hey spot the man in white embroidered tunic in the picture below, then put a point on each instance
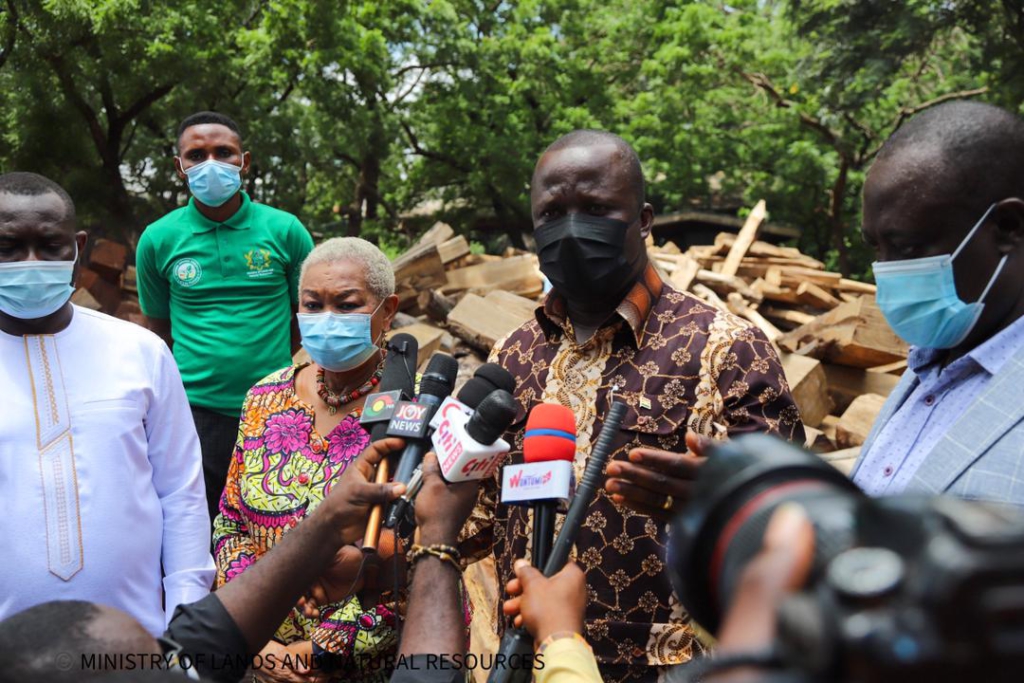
(100, 473)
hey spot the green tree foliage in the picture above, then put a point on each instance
(359, 114)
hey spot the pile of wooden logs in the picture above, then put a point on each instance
(841, 358)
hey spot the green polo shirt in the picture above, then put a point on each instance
(228, 289)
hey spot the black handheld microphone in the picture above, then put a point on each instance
(487, 379)
(397, 382)
(412, 421)
(517, 644)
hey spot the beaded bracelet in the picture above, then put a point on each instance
(558, 635)
(445, 553)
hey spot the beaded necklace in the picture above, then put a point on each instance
(335, 401)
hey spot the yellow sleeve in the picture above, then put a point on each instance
(566, 660)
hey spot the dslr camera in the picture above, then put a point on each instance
(905, 588)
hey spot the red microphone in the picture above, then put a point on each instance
(550, 434)
(546, 479)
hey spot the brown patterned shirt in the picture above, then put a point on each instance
(679, 364)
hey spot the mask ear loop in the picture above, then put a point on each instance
(970, 234)
(1002, 261)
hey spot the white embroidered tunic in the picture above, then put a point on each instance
(101, 481)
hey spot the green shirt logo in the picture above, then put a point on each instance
(187, 272)
(258, 261)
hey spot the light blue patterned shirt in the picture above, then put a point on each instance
(941, 397)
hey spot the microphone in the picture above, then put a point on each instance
(545, 479)
(412, 422)
(397, 382)
(517, 642)
(487, 379)
(472, 448)
(469, 446)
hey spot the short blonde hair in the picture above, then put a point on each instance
(380, 276)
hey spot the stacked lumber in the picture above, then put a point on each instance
(107, 283)
(840, 356)
(459, 302)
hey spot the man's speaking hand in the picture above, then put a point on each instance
(545, 606)
(656, 483)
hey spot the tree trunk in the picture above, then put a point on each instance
(835, 211)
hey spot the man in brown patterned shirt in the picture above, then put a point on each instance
(611, 326)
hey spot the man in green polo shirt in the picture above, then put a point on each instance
(218, 281)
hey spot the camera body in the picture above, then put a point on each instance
(905, 588)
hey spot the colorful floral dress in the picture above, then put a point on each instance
(280, 471)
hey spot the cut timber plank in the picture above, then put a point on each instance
(814, 296)
(83, 298)
(428, 337)
(453, 249)
(846, 384)
(854, 333)
(766, 290)
(759, 249)
(435, 305)
(481, 579)
(705, 293)
(788, 315)
(129, 281)
(109, 259)
(417, 269)
(738, 305)
(842, 460)
(727, 284)
(744, 239)
(481, 321)
(439, 232)
(683, 277)
(108, 295)
(896, 368)
(809, 386)
(856, 287)
(518, 274)
(856, 421)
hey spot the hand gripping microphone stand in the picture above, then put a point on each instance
(517, 645)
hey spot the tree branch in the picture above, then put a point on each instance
(347, 157)
(146, 101)
(427, 154)
(422, 67)
(907, 112)
(763, 83)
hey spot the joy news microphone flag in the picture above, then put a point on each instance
(411, 421)
(517, 645)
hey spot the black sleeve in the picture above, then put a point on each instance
(427, 669)
(211, 639)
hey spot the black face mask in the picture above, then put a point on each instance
(585, 258)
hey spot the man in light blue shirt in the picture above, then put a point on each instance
(944, 212)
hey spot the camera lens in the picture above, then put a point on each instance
(737, 490)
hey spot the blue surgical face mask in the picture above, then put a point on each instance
(919, 299)
(338, 341)
(214, 182)
(35, 289)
